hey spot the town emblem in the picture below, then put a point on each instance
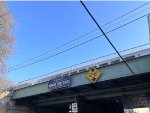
(93, 74)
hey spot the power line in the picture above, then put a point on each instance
(78, 44)
(106, 36)
(128, 18)
(127, 13)
(81, 36)
(127, 23)
(85, 62)
(54, 48)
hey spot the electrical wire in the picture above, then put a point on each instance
(85, 62)
(53, 49)
(80, 36)
(126, 13)
(128, 18)
(78, 44)
(90, 14)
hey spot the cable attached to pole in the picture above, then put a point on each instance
(105, 36)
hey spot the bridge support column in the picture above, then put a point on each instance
(97, 106)
(131, 102)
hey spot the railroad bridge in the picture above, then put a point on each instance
(115, 88)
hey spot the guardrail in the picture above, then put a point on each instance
(102, 61)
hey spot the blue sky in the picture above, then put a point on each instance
(43, 26)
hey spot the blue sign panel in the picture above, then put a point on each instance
(59, 82)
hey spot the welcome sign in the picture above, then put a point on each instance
(59, 82)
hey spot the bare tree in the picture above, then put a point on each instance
(6, 41)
